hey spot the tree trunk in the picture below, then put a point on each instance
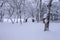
(25, 20)
(33, 20)
(48, 16)
(20, 19)
(37, 18)
(1, 17)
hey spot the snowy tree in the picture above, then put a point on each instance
(18, 4)
(8, 10)
(55, 8)
(44, 10)
(1, 11)
(48, 16)
(38, 10)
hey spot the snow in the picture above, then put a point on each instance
(6, 20)
(29, 31)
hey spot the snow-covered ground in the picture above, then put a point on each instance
(8, 20)
(29, 31)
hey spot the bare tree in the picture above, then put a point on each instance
(28, 11)
(11, 14)
(32, 14)
(18, 4)
(10, 10)
(24, 9)
(40, 9)
(48, 16)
